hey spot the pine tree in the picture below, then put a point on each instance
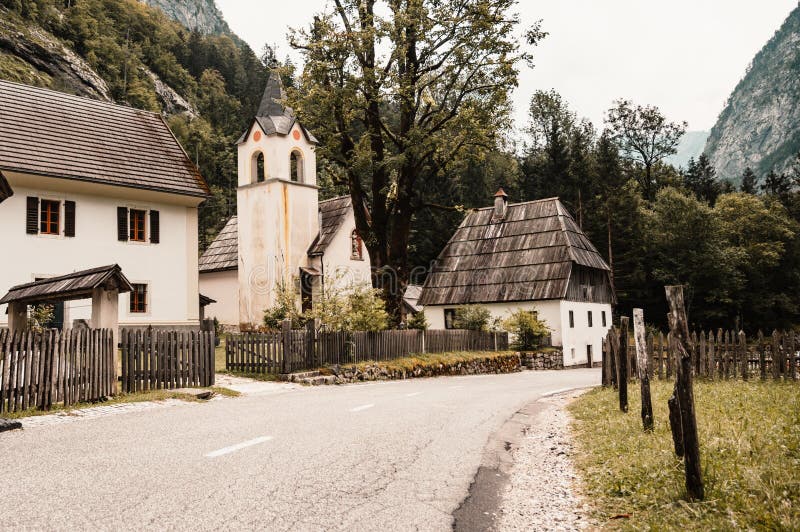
(749, 181)
(777, 185)
(700, 178)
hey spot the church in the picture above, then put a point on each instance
(283, 236)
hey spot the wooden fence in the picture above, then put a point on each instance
(718, 355)
(154, 360)
(293, 350)
(39, 369)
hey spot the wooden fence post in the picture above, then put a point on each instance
(622, 364)
(641, 364)
(613, 353)
(684, 393)
(311, 344)
(776, 348)
(286, 336)
(744, 355)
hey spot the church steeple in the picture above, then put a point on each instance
(273, 95)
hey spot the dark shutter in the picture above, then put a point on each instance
(155, 229)
(122, 224)
(32, 216)
(69, 218)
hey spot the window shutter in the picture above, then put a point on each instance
(122, 224)
(155, 229)
(32, 216)
(69, 218)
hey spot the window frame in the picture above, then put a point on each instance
(296, 166)
(49, 222)
(449, 323)
(133, 231)
(590, 318)
(356, 246)
(134, 303)
(571, 319)
(603, 317)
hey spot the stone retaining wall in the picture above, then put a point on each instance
(547, 360)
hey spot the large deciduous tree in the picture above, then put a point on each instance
(397, 91)
(644, 135)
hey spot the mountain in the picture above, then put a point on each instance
(690, 146)
(199, 15)
(760, 124)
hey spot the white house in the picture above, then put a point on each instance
(95, 184)
(282, 234)
(530, 256)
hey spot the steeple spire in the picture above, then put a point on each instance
(273, 94)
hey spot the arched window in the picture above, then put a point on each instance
(257, 168)
(296, 167)
(356, 246)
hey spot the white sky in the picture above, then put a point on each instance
(684, 56)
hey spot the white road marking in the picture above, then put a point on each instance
(238, 446)
(362, 407)
(413, 394)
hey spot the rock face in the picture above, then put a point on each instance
(200, 15)
(760, 125)
(690, 146)
(50, 62)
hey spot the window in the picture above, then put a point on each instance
(571, 320)
(356, 246)
(590, 318)
(137, 225)
(589, 361)
(257, 168)
(296, 167)
(49, 217)
(603, 317)
(449, 318)
(139, 298)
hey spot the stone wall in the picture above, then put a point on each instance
(546, 360)
(490, 364)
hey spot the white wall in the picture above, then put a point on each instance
(169, 268)
(556, 314)
(338, 263)
(223, 287)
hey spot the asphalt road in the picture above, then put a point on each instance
(395, 455)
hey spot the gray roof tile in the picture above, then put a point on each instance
(223, 253)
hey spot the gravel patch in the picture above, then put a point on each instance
(542, 490)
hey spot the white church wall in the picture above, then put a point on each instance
(168, 268)
(223, 287)
(338, 264)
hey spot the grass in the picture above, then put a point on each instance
(749, 451)
(138, 397)
(426, 360)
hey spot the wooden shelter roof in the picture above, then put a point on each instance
(223, 253)
(50, 133)
(5, 188)
(332, 214)
(526, 256)
(76, 285)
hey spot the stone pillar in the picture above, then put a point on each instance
(105, 314)
(17, 317)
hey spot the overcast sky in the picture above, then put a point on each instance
(684, 56)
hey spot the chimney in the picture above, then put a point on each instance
(500, 204)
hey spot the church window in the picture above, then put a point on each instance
(296, 167)
(258, 170)
(356, 246)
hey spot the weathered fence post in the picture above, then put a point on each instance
(613, 353)
(641, 364)
(311, 344)
(684, 393)
(776, 348)
(622, 364)
(286, 337)
(744, 354)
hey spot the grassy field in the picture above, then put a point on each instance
(750, 455)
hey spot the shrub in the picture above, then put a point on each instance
(472, 318)
(284, 308)
(357, 308)
(526, 328)
(41, 317)
(417, 321)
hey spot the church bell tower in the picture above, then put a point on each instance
(277, 203)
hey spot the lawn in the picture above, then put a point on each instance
(750, 455)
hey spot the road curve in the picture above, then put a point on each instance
(396, 455)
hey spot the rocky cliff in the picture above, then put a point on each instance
(200, 15)
(760, 125)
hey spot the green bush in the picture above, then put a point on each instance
(472, 318)
(417, 321)
(358, 308)
(526, 329)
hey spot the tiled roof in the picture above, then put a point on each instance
(526, 256)
(223, 253)
(55, 134)
(332, 214)
(67, 287)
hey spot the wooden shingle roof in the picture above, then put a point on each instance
(526, 256)
(223, 253)
(50, 133)
(76, 285)
(332, 214)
